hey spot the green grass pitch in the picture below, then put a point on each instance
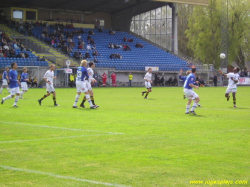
(128, 141)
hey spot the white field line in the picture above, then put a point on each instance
(61, 176)
(63, 128)
(62, 137)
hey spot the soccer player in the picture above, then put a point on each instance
(183, 78)
(190, 94)
(148, 82)
(13, 85)
(48, 77)
(24, 80)
(232, 84)
(81, 80)
(113, 78)
(88, 85)
(5, 80)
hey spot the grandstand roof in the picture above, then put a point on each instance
(109, 6)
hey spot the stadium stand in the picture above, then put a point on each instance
(134, 59)
(10, 50)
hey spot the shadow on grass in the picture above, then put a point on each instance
(241, 108)
(198, 116)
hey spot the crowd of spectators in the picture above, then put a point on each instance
(116, 56)
(244, 73)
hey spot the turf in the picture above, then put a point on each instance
(128, 141)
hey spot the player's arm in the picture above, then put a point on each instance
(45, 79)
(193, 86)
(235, 81)
(181, 71)
(223, 74)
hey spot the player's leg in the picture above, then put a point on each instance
(12, 94)
(54, 98)
(196, 99)
(17, 92)
(1, 89)
(7, 86)
(234, 99)
(40, 100)
(149, 90)
(89, 100)
(188, 106)
(24, 89)
(76, 99)
(227, 94)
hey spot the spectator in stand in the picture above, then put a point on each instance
(95, 60)
(88, 47)
(52, 43)
(80, 55)
(169, 82)
(89, 37)
(113, 78)
(91, 32)
(15, 46)
(43, 59)
(99, 30)
(80, 46)
(111, 32)
(94, 47)
(38, 58)
(34, 82)
(125, 39)
(130, 40)
(202, 82)
(79, 37)
(156, 79)
(162, 81)
(215, 79)
(138, 45)
(130, 78)
(87, 55)
(95, 53)
(109, 46)
(175, 82)
(76, 55)
(104, 79)
(26, 55)
(19, 55)
(12, 53)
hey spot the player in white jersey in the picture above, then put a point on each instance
(5, 78)
(49, 77)
(88, 85)
(148, 82)
(233, 79)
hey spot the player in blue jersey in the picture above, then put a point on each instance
(24, 80)
(190, 94)
(81, 80)
(183, 78)
(14, 85)
(5, 78)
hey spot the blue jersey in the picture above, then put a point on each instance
(182, 78)
(24, 76)
(13, 79)
(190, 80)
(5, 74)
(82, 74)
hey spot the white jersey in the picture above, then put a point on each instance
(231, 83)
(91, 74)
(49, 75)
(148, 76)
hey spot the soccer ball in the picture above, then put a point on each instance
(222, 56)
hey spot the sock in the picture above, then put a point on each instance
(8, 97)
(187, 108)
(54, 99)
(76, 100)
(146, 94)
(89, 100)
(43, 97)
(1, 90)
(16, 100)
(92, 99)
(83, 101)
(22, 92)
(194, 106)
(8, 89)
(235, 101)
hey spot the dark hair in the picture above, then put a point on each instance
(238, 69)
(193, 70)
(13, 64)
(91, 64)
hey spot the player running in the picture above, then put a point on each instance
(14, 86)
(24, 80)
(183, 78)
(88, 84)
(148, 82)
(5, 80)
(190, 94)
(49, 77)
(81, 84)
(232, 84)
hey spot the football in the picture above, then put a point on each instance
(222, 56)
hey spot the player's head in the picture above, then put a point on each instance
(25, 70)
(14, 65)
(7, 69)
(52, 67)
(92, 65)
(84, 63)
(150, 70)
(188, 72)
(193, 70)
(236, 70)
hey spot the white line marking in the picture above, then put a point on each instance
(61, 176)
(63, 128)
(63, 137)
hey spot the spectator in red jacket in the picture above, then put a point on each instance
(113, 78)
(104, 79)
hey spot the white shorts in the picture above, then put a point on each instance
(24, 86)
(81, 86)
(229, 90)
(88, 85)
(50, 88)
(148, 85)
(190, 94)
(14, 91)
(5, 83)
